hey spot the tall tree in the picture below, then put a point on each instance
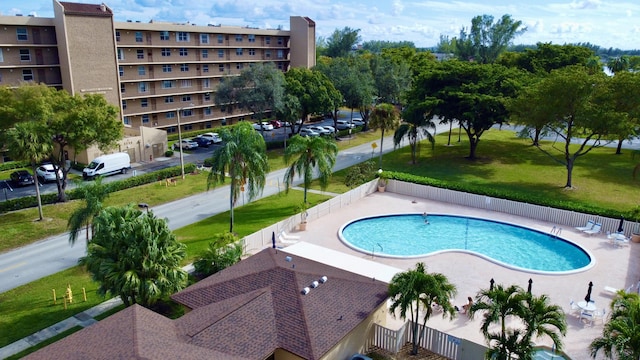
(392, 78)
(135, 256)
(619, 97)
(385, 117)
(621, 334)
(416, 289)
(342, 42)
(314, 91)
(243, 158)
(304, 154)
(543, 319)
(93, 195)
(416, 123)
(486, 40)
(260, 88)
(618, 64)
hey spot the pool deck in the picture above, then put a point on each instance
(616, 267)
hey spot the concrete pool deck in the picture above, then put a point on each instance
(616, 267)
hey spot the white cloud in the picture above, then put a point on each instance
(585, 4)
(398, 7)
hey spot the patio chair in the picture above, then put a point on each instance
(589, 226)
(575, 309)
(587, 316)
(286, 236)
(596, 229)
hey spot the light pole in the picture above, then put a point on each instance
(180, 142)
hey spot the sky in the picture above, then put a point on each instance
(605, 23)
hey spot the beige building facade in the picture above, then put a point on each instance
(150, 71)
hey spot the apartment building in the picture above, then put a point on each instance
(157, 73)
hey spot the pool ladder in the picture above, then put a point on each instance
(556, 230)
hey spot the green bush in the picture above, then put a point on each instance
(10, 165)
(168, 153)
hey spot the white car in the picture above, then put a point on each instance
(357, 121)
(320, 130)
(213, 137)
(46, 173)
(331, 129)
(187, 144)
(308, 132)
(344, 124)
(265, 126)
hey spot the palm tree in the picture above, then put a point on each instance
(415, 124)
(415, 289)
(384, 117)
(621, 334)
(543, 319)
(618, 64)
(243, 158)
(93, 194)
(302, 156)
(135, 255)
(498, 304)
(29, 140)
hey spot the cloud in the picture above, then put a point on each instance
(398, 7)
(585, 4)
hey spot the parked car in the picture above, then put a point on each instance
(330, 128)
(320, 130)
(344, 125)
(22, 178)
(187, 144)
(276, 124)
(46, 173)
(357, 121)
(214, 137)
(202, 141)
(265, 126)
(308, 132)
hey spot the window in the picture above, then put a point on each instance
(164, 35)
(138, 36)
(280, 54)
(267, 40)
(184, 52)
(207, 111)
(144, 102)
(140, 53)
(221, 67)
(205, 53)
(124, 104)
(239, 52)
(220, 38)
(22, 34)
(205, 68)
(166, 52)
(184, 67)
(171, 115)
(142, 70)
(252, 52)
(1, 57)
(239, 66)
(168, 84)
(182, 36)
(166, 68)
(120, 54)
(267, 53)
(187, 113)
(238, 38)
(252, 38)
(122, 88)
(117, 35)
(25, 55)
(127, 120)
(121, 70)
(206, 97)
(280, 66)
(168, 99)
(280, 40)
(186, 83)
(221, 54)
(145, 118)
(206, 83)
(143, 87)
(204, 38)
(186, 98)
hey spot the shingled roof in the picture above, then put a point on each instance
(244, 312)
(71, 8)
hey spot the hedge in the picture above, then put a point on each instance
(10, 165)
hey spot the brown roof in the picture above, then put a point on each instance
(244, 312)
(86, 9)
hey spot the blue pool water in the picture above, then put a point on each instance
(408, 235)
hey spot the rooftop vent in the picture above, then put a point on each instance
(305, 291)
(314, 284)
(323, 279)
(288, 258)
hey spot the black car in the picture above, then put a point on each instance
(22, 178)
(202, 142)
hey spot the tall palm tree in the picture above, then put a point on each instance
(243, 158)
(414, 289)
(543, 319)
(304, 154)
(93, 194)
(621, 334)
(30, 141)
(414, 125)
(386, 118)
(135, 255)
(498, 305)
(618, 64)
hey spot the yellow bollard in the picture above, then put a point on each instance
(69, 293)
(84, 294)
(54, 296)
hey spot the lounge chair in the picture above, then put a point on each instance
(589, 226)
(284, 235)
(614, 291)
(575, 309)
(596, 229)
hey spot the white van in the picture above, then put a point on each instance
(107, 165)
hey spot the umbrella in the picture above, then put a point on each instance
(491, 282)
(529, 287)
(620, 228)
(588, 297)
(273, 239)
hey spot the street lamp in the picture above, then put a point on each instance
(180, 141)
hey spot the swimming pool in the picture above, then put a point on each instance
(513, 246)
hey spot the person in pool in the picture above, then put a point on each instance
(424, 217)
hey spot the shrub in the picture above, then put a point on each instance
(224, 251)
(10, 165)
(168, 153)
